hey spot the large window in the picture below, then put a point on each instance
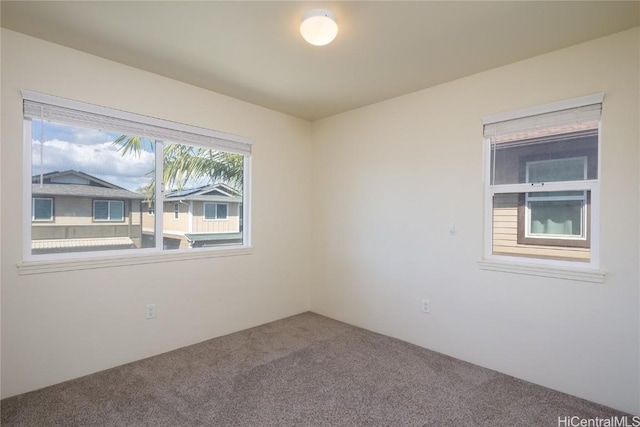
(543, 183)
(113, 173)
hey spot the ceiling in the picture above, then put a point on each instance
(253, 51)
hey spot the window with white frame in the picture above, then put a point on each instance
(110, 173)
(108, 210)
(215, 211)
(42, 209)
(543, 183)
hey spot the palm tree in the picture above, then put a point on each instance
(184, 164)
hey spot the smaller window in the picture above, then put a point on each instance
(150, 209)
(108, 210)
(42, 209)
(542, 183)
(176, 211)
(215, 211)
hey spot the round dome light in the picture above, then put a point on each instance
(319, 27)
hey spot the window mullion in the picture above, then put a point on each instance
(588, 185)
(158, 195)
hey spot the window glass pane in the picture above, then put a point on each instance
(221, 211)
(553, 227)
(116, 211)
(209, 182)
(91, 174)
(42, 209)
(550, 159)
(101, 210)
(209, 211)
(570, 169)
(556, 218)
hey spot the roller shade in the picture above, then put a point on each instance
(56, 109)
(549, 121)
(585, 119)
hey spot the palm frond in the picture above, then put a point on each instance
(186, 165)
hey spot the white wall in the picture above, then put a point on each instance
(390, 178)
(387, 180)
(63, 325)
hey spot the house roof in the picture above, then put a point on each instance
(218, 192)
(75, 190)
(52, 177)
(78, 184)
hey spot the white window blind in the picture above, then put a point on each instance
(56, 109)
(569, 116)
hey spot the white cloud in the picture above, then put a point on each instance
(100, 159)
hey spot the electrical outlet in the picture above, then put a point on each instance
(426, 306)
(151, 311)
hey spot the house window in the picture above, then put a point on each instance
(42, 209)
(543, 183)
(215, 211)
(102, 165)
(555, 218)
(108, 210)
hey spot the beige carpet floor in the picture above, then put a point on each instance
(306, 370)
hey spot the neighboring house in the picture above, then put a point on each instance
(72, 211)
(196, 217)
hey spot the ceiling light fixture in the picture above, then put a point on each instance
(319, 27)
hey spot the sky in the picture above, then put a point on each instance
(90, 151)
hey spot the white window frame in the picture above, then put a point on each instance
(47, 107)
(584, 220)
(588, 271)
(33, 209)
(109, 203)
(204, 210)
(176, 211)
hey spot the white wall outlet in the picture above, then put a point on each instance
(426, 306)
(151, 311)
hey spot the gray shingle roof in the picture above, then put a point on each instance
(75, 190)
(207, 193)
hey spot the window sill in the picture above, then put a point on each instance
(577, 274)
(41, 267)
